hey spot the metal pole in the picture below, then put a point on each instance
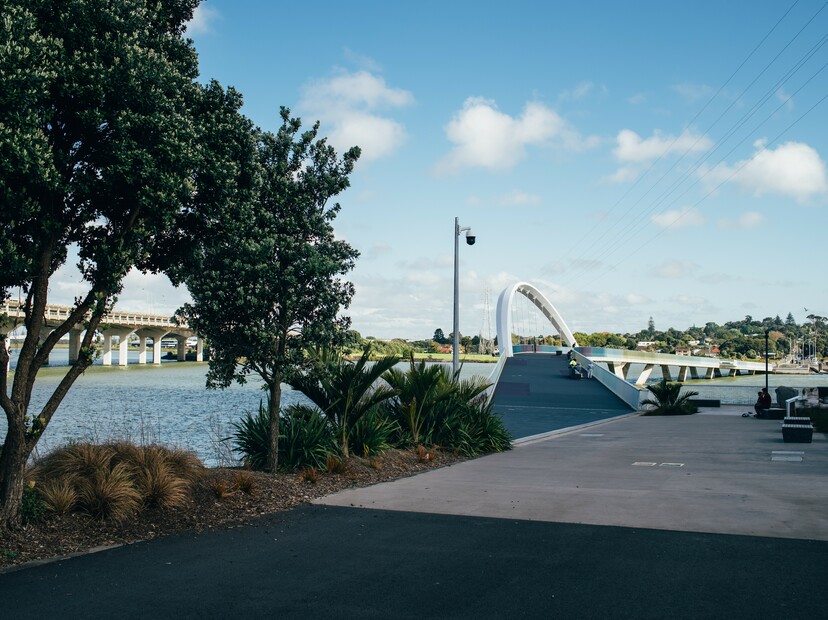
(766, 359)
(455, 358)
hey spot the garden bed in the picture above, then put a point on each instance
(55, 536)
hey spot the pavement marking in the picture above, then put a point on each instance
(592, 434)
(791, 459)
(644, 464)
(787, 452)
(672, 465)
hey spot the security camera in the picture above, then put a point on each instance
(470, 237)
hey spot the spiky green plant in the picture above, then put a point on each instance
(419, 391)
(346, 391)
(668, 399)
(306, 438)
(372, 434)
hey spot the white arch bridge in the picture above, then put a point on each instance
(612, 367)
(116, 325)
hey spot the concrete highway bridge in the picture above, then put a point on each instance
(116, 326)
(532, 390)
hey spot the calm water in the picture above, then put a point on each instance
(167, 404)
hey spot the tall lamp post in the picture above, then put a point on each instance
(767, 332)
(470, 239)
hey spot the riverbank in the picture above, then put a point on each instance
(216, 503)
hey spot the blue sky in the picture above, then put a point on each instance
(628, 159)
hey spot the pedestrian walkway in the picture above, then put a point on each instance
(535, 395)
(699, 473)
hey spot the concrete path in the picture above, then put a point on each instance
(715, 472)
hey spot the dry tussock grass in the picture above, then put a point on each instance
(114, 481)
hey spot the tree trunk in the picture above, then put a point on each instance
(12, 470)
(274, 405)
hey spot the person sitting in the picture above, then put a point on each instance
(763, 403)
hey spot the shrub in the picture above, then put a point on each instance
(306, 438)
(32, 508)
(109, 494)
(472, 429)
(668, 400)
(158, 484)
(372, 434)
(113, 481)
(59, 496)
(251, 438)
(309, 474)
(244, 482)
(334, 465)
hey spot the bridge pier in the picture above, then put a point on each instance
(181, 348)
(200, 349)
(74, 344)
(665, 372)
(645, 374)
(682, 374)
(123, 345)
(156, 334)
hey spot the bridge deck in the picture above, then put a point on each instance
(535, 395)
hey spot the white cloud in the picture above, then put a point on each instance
(519, 198)
(792, 169)
(485, 137)
(624, 174)
(637, 99)
(580, 91)
(675, 269)
(351, 102)
(202, 21)
(680, 218)
(748, 219)
(632, 148)
(785, 98)
(693, 92)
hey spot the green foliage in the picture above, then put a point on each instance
(286, 292)
(472, 429)
(668, 399)
(437, 408)
(32, 508)
(251, 437)
(373, 433)
(103, 135)
(345, 391)
(419, 391)
(306, 438)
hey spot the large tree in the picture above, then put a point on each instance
(271, 285)
(101, 120)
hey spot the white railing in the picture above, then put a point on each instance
(624, 390)
(55, 313)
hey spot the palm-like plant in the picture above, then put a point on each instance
(668, 399)
(345, 391)
(419, 391)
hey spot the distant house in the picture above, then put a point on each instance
(645, 345)
(684, 351)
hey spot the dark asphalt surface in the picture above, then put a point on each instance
(535, 395)
(324, 562)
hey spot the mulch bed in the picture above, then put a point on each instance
(56, 536)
